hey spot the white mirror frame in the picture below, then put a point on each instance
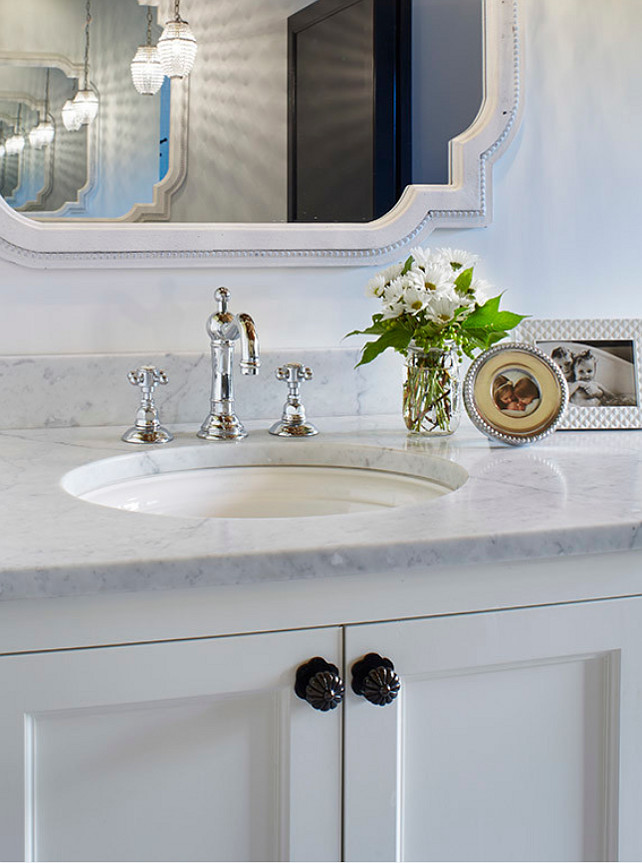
(465, 202)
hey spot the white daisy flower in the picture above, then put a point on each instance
(456, 259)
(414, 279)
(442, 307)
(394, 291)
(422, 257)
(392, 310)
(375, 286)
(414, 299)
(392, 272)
(437, 278)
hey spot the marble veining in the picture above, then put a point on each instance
(574, 493)
(69, 391)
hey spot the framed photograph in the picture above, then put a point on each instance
(515, 393)
(600, 360)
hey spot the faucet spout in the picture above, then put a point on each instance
(250, 361)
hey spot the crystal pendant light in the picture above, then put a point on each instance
(70, 118)
(86, 101)
(177, 46)
(43, 134)
(147, 72)
(15, 144)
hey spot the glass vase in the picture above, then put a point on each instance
(432, 391)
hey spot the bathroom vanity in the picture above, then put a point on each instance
(148, 661)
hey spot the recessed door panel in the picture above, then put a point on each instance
(176, 751)
(505, 740)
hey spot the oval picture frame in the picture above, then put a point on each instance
(515, 393)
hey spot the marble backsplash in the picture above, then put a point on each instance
(93, 390)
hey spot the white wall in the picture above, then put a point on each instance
(563, 243)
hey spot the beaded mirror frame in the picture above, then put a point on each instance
(466, 201)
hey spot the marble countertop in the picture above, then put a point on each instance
(573, 493)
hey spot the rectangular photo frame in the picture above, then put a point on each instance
(600, 360)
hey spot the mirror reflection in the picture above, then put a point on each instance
(243, 148)
(44, 175)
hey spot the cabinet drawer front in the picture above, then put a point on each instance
(505, 740)
(194, 750)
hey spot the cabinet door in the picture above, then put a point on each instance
(516, 736)
(193, 750)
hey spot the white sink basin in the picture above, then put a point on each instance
(264, 481)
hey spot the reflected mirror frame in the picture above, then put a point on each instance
(465, 202)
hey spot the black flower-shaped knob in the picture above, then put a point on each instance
(374, 677)
(319, 683)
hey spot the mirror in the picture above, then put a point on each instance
(241, 146)
(42, 178)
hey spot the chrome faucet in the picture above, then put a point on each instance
(224, 329)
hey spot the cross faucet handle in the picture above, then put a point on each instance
(147, 428)
(293, 422)
(294, 373)
(147, 378)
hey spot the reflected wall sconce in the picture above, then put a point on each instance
(43, 134)
(86, 101)
(147, 72)
(177, 46)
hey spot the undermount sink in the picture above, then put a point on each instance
(264, 481)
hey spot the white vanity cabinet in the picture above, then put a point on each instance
(187, 750)
(517, 735)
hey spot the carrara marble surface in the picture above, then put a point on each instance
(573, 493)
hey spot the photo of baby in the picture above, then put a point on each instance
(598, 373)
(516, 393)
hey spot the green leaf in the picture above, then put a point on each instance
(489, 317)
(463, 281)
(408, 265)
(483, 315)
(375, 329)
(397, 338)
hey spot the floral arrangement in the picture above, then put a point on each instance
(434, 305)
(433, 300)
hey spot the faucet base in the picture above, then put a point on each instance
(151, 434)
(222, 427)
(293, 429)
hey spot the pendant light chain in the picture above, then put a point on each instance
(177, 11)
(87, 23)
(149, 26)
(47, 94)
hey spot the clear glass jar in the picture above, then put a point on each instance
(432, 392)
